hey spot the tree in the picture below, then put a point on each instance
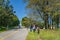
(25, 22)
(44, 8)
(7, 16)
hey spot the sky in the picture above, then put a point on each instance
(20, 8)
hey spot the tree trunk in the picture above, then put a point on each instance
(46, 21)
(58, 22)
(52, 24)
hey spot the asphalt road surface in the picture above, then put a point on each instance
(15, 34)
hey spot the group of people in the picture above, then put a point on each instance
(35, 28)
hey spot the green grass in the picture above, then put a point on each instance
(2, 31)
(44, 35)
(32, 36)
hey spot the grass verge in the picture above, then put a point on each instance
(32, 36)
(44, 35)
(2, 31)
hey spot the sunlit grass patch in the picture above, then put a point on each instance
(44, 35)
(32, 36)
(1, 31)
(50, 34)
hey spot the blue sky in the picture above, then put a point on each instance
(19, 7)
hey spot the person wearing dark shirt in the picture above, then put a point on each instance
(31, 28)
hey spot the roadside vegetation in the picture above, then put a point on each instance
(46, 15)
(2, 31)
(32, 36)
(44, 35)
(46, 12)
(8, 19)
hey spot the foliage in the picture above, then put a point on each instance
(7, 16)
(47, 9)
(25, 22)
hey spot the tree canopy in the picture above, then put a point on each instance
(7, 16)
(47, 9)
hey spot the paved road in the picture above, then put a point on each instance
(16, 34)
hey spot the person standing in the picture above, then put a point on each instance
(38, 30)
(34, 28)
(19, 26)
(31, 28)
